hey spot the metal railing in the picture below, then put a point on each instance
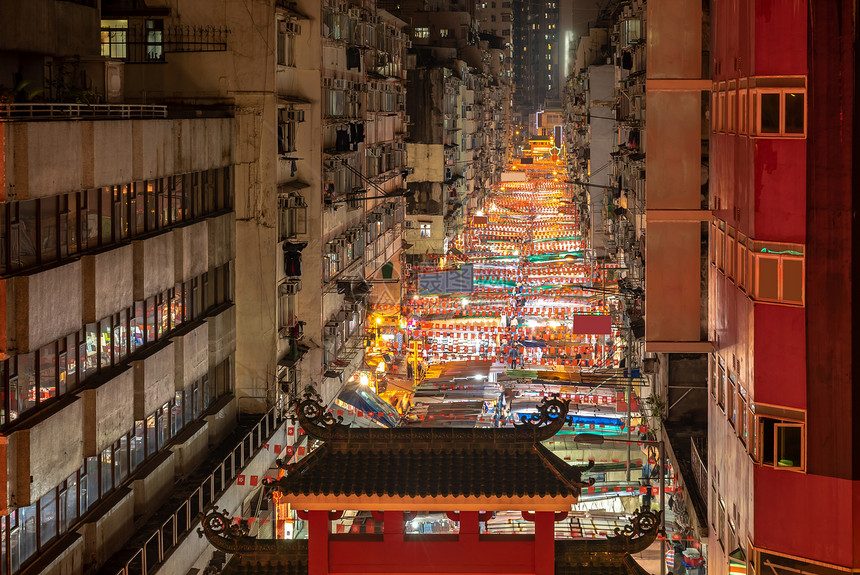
(153, 550)
(58, 111)
(700, 466)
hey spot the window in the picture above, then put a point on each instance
(721, 385)
(779, 277)
(286, 42)
(286, 305)
(288, 119)
(779, 107)
(782, 443)
(422, 32)
(47, 230)
(424, 230)
(445, 32)
(292, 217)
(154, 40)
(114, 37)
(730, 400)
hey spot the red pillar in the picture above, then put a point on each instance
(544, 543)
(392, 527)
(318, 532)
(470, 527)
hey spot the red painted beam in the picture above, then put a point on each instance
(504, 556)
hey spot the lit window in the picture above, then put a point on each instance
(114, 38)
(422, 32)
(444, 32)
(424, 230)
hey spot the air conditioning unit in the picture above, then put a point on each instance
(354, 13)
(327, 82)
(330, 328)
(339, 84)
(292, 287)
(294, 28)
(409, 43)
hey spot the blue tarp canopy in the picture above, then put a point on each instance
(363, 399)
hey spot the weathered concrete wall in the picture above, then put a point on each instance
(153, 381)
(43, 312)
(192, 356)
(41, 462)
(154, 265)
(191, 251)
(107, 282)
(108, 412)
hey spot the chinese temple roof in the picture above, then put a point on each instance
(431, 468)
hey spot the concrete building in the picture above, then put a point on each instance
(196, 200)
(458, 98)
(538, 56)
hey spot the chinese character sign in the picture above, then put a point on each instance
(461, 280)
(431, 284)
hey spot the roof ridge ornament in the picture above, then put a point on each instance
(314, 418)
(645, 523)
(549, 419)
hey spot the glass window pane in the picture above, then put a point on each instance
(137, 445)
(121, 460)
(151, 445)
(768, 278)
(120, 332)
(26, 382)
(789, 448)
(137, 327)
(48, 517)
(176, 420)
(794, 112)
(105, 343)
(151, 205)
(48, 372)
(27, 533)
(792, 280)
(106, 216)
(163, 416)
(150, 320)
(48, 232)
(106, 466)
(92, 481)
(27, 240)
(72, 498)
(770, 113)
(91, 349)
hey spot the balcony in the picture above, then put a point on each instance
(28, 112)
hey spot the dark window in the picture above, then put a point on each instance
(770, 113)
(794, 113)
(48, 228)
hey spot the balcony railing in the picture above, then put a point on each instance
(56, 111)
(143, 557)
(700, 466)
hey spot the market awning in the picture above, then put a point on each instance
(370, 404)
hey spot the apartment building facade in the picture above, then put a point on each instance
(183, 251)
(781, 467)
